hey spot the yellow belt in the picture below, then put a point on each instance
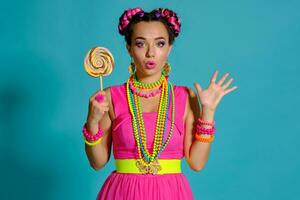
(167, 166)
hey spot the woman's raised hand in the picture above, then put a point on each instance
(211, 97)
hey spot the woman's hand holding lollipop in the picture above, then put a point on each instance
(98, 62)
(98, 105)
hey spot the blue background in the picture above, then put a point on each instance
(44, 93)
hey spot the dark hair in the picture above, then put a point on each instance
(131, 17)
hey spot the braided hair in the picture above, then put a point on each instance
(132, 16)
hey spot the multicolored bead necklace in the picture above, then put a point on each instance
(148, 85)
(147, 162)
(141, 94)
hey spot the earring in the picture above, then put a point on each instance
(167, 69)
(131, 68)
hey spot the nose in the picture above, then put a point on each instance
(150, 52)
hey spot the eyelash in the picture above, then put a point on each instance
(160, 44)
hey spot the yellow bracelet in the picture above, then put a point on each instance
(93, 143)
(204, 139)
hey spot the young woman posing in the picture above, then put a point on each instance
(151, 123)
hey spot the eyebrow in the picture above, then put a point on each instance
(157, 38)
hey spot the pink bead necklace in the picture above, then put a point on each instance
(141, 94)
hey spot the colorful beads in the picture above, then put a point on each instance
(155, 84)
(204, 134)
(200, 138)
(207, 131)
(92, 139)
(147, 159)
(202, 122)
(141, 94)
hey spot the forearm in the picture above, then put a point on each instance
(199, 151)
(97, 154)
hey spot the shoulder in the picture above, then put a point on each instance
(119, 87)
(110, 92)
(116, 86)
(191, 100)
(184, 90)
(114, 90)
(180, 89)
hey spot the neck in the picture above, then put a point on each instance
(148, 79)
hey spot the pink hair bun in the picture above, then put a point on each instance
(127, 16)
(171, 18)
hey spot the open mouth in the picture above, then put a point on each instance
(150, 64)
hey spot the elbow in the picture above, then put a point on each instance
(96, 166)
(197, 167)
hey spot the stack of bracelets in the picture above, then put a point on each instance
(92, 140)
(202, 131)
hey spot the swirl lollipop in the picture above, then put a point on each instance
(99, 62)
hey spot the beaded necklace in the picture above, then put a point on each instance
(148, 85)
(147, 162)
(141, 94)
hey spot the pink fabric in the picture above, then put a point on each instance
(145, 187)
(138, 186)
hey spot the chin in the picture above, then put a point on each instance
(152, 72)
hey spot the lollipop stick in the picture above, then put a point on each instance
(101, 84)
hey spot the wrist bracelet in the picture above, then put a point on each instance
(203, 122)
(92, 138)
(208, 131)
(205, 140)
(93, 143)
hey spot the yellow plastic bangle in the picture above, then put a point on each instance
(93, 143)
(204, 139)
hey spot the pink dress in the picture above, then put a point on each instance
(125, 186)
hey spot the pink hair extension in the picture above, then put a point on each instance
(168, 15)
(171, 18)
(127, 16)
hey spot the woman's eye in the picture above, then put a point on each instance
(161, 43)
(139, 44)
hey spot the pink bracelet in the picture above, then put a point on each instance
(201, 121)
(208, 131)
(90, 137)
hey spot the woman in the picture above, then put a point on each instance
(152, 123)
